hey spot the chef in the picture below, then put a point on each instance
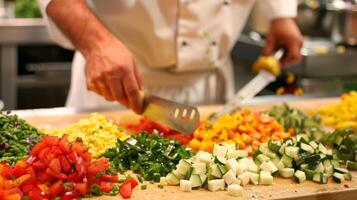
(177, 49)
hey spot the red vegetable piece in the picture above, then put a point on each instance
(37, 148)
(56, 189)
(50, 140)
(55, 165)
(86, 156)
(109, 178)
(39, 165)
(43, 153)
(82, 188)
(64, 145)
(28, 185)
(66, 166)
(57, 176)
(79, 147)
(106, 186)
(71, 195)
(132, 181)
(72, 157)
(125, 190)
(73, 178)
(97, 166)
(36, 194)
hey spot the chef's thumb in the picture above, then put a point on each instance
(269, 46)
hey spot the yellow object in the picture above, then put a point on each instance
(97, 133)
(17, 182)
(268, 63)
(341, 115)
(290, 78)
(246, 128)
(298, 91)
(280, 91)
(13, 197)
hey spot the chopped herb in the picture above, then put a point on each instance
(95, 189)
(143, 187)
(121, 180)
(160, 186)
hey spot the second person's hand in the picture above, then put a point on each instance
(112, 72)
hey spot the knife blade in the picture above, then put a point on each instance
(175, 115)
(248, 91)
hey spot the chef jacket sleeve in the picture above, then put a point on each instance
(278, 8)
(55, 33)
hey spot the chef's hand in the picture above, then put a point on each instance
(284, 33)
(113, 72)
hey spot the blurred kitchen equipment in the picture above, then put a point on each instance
(178, 116)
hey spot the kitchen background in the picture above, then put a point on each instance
(32, 65)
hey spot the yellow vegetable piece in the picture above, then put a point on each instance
(13, 197)
(342, 114)
(97, 133)
(17, 182)
(268, 63)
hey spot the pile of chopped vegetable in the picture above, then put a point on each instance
(246, 128)
(57, 168)
(341, 115)
(16, 138)
(149, 155)
(150, 126)
(97, 133)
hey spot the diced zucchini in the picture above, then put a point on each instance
(348, 176)
(322, 149)
(188, 174)
(341, 170)
(307, 148)
(319, 168)
(244, 178)
(215, 185)
(313, 144)
(309, 174)
(203, 178)
(220, 160)
(219, 150)
(262, 158)
(268, 166)
(287, 172)
(229, 146)
(338, 177)
(271, 154)
(300, 176)
(287, 161)
(335, 163)
(265, 178)
(172, 179)
(232, 164)
(240, 169)
(274, 146)
(320, 178)
(253, 167)
(233, 154)
(215, 171)
(177, 174)
(230, 178)
(222, 169)
(163, 181)
(199, 168)
(235, 190)
(282, 149)
(253, 178)
(280, 165)
(263, 148)
(292, 152)
(242, 153)
(195, 180)
(203, 156)
(183, 166)
(351, 165)
(304, 166)
(185, 186)
(276, 160)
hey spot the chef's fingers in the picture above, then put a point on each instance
(132, 91)
(269, 46)
(138, 75)
(293, 54)
(105, 90)
(117, 90)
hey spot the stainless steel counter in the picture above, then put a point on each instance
(15, 32)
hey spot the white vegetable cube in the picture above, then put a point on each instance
(172, 179)
(230, 146)
(215, 185)
(219, 150)
(235, 190)
(203, 156)
(185, 186)
(232, 164)
(244, 178)
(183, 166)
(199, 168)
(240, 169)
(268, 166)
(287, 172)
(230, 178)
(265, 178)
(253, 167)
(253, 178)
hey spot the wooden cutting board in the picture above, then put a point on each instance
(281, 188)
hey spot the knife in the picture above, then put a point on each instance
(175, 115)
(251, 89)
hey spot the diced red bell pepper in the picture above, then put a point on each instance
(55, 165)
(126, 190)
(50, 140)
(56, 189)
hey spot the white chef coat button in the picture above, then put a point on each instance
(226, 2)
(184, 43)
(213, 43)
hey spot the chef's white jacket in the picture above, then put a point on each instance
(183, 46)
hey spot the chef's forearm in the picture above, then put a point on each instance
(79, 24)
